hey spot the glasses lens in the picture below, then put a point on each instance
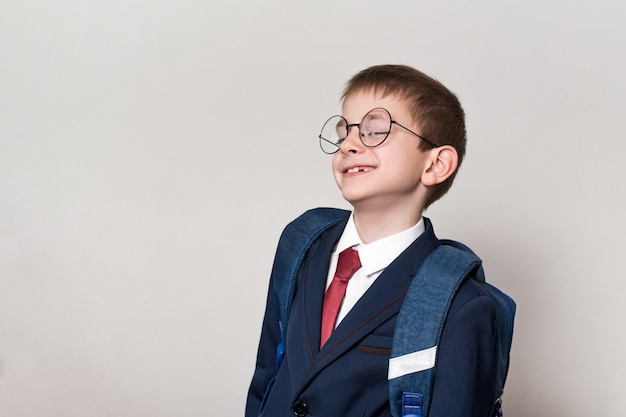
(375, 127)
(333, 132)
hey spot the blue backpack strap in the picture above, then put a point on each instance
(419, 326)
(294, 243)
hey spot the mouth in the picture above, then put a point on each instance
(355, 170)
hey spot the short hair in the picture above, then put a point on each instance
(433, 107)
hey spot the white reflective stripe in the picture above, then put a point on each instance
(412, 362)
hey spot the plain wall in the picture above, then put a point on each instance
(152, 151)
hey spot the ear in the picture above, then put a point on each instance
(442, 162)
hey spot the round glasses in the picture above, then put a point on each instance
(373, 130)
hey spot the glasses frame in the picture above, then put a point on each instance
(358, 125)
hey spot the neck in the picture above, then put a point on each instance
(376, 224)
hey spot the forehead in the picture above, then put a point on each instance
(356, 105)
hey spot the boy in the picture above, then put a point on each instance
(396, 149)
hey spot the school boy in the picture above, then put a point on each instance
(395, 149)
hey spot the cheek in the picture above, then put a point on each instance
(406, 166)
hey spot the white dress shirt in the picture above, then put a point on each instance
(375, 257)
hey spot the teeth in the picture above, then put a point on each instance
(358, 169)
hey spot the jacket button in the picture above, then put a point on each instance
(300, 409)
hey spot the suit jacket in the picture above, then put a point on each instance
(348, 376)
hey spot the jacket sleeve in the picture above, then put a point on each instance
(465, 363)
(265, 368)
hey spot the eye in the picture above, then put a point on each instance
(376, 123)
(375, 134)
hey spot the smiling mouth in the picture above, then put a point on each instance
(358, 169)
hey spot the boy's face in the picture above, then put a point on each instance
(387, 176)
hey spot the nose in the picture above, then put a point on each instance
(352, 143)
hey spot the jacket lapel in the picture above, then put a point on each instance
(315, 273)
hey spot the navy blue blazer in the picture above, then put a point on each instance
(348, 376)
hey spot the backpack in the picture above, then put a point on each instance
(427, 299)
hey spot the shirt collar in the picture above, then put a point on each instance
(377, 255)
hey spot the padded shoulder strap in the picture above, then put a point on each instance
(293, 246)
(419, 326)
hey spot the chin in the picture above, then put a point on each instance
(355, 199)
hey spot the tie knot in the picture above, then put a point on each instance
(347, 264)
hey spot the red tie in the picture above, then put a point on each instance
(347, 265)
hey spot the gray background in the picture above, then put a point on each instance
(152, 151)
